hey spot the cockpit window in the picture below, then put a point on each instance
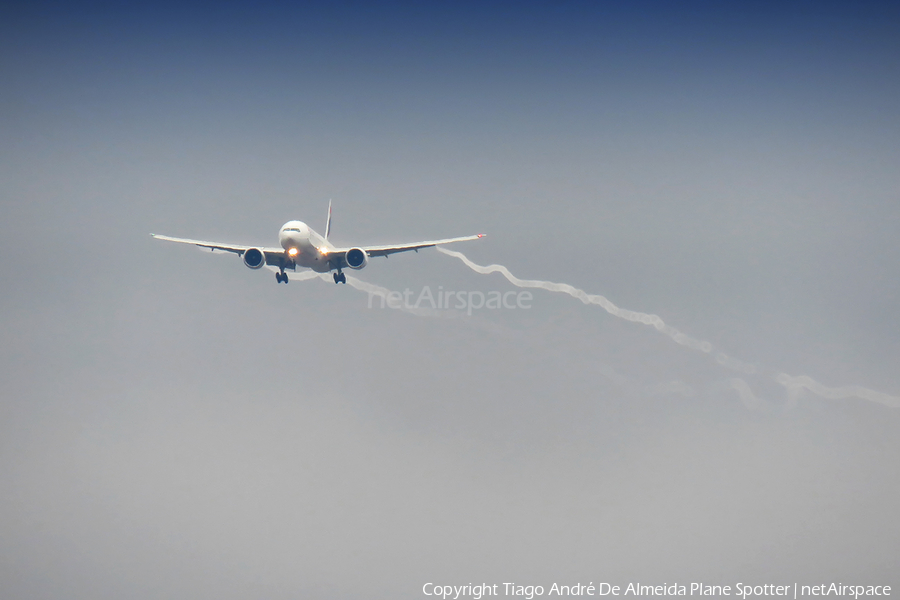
(292, 229)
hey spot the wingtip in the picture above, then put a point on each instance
(481, 235)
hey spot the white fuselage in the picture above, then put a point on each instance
(304, 247)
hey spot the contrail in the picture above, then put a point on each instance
(372, 290)
(383, 292)
(794, 385)
(746, 394)
(602, 301)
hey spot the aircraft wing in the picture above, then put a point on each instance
(393, 249)
(273, 255)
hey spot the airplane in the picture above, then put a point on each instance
(303, 247)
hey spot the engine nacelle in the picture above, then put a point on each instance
(356, 258)
(254, 258)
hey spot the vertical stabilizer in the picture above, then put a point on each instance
(328, 222)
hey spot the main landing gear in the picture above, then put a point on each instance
(281, 277)
(339, 277)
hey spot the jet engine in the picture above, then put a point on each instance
(356, 258)
(254, 258)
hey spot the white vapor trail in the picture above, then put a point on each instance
(794, 385)
(372, 290)
(602, 301)
(383, 292)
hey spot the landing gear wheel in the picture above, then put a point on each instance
(278, 277)
(336, 277)
(284, 278)
(343, 278)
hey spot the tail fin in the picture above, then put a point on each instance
(328, 222)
